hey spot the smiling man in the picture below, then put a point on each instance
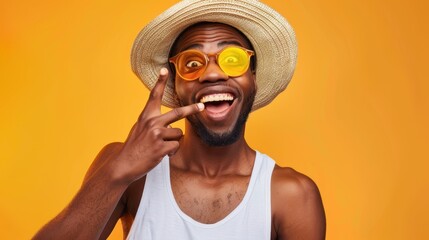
(212, 62)
(200, 78)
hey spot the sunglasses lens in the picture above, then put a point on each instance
(190, 65)
(234, 61)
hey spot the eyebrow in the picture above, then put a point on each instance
(220, 44)
(224, 43)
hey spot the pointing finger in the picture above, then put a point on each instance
(155, 97)
(179, 113)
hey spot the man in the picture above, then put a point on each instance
(213, 62)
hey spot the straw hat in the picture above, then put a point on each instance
(271, 35)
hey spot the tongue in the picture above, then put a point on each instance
(216, 107)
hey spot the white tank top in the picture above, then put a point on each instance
(160, 218)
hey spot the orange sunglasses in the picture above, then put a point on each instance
(191, 64)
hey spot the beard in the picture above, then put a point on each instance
(214, 139)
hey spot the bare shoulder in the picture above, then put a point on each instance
(287, 182)
(297, 207)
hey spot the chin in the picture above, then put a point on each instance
(215, 139)
(221, 138)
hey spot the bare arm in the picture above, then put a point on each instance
(297, 207)
(97, 206)
(92, 207)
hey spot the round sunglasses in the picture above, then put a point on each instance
(191, 64)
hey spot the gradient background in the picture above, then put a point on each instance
(354, 117)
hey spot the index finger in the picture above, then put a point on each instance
(157, 91)
(155, 96)
(178, 113)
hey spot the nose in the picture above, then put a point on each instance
(213, 72)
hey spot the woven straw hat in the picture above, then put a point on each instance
(271, 35)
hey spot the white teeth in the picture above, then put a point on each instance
(217, 97)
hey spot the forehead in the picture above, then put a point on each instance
(197, 35)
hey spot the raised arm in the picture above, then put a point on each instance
(296, 207)
(97, 206)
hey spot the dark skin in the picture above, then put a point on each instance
(215, 177)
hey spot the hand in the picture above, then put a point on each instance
(151, 137)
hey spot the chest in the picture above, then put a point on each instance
(208, 200)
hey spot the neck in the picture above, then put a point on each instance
(212, 161)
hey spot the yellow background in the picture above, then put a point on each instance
(354, 117)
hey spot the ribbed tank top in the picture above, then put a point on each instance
(160, 218)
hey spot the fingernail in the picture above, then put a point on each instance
(163, 71)
(200, 106)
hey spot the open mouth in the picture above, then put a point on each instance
(217, 102)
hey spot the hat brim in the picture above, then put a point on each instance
(270, 34)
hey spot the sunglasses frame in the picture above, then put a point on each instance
(173, 60)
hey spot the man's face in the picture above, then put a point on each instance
(222, 121)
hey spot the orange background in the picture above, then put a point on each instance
(354, 117)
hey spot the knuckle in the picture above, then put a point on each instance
(179, 131)
(154, 93)
(156, 132)
(151, 122)
(174, 146)
(178, 112)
